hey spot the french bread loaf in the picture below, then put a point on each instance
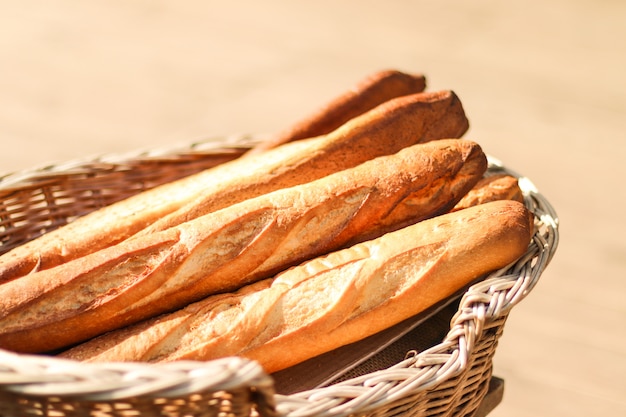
(386, 129)
(368, 93)
(330, 301)
(223, 250)
(382, 131)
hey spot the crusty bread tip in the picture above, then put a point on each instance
(368, 93)
(492, 188)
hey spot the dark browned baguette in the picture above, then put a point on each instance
(368, 93)
(382, 131)
(221, 251)
(333, 300)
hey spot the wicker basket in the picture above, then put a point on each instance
(448, 376)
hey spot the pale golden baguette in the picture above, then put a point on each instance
(333, 300)
(368, 93)
(381, 131)
(221, 251)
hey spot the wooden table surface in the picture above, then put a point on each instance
(542, 83)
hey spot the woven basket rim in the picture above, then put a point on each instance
(492, 297)
(489, 299)
(210, 145)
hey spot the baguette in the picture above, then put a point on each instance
(333, 300)
(368, 93)
(221, 251)
(492, 188)
(382, 131)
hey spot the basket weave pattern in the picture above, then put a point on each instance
(37, 201)
(447, 379)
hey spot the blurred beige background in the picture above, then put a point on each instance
(542, 83)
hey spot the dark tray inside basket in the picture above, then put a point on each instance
(376, 352)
